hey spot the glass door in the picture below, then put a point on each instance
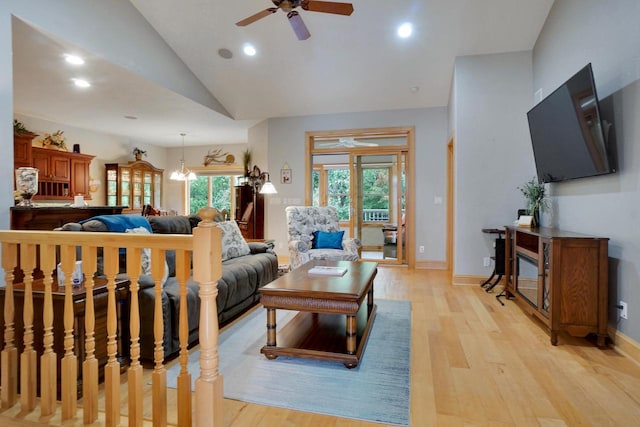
(378, 205)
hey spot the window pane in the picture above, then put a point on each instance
(220, 197)
(198, 197)
(315, 188)
(375, 199)
(338, 192)
(221, 192)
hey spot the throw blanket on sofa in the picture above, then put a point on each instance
(121, 223)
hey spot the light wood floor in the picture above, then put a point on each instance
(477, 363)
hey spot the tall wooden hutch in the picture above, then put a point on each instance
(250, 216)
(133, 185)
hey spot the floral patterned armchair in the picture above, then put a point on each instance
(302, 221)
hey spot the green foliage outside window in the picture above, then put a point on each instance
(220, 197)
(375, 188)
(338, 192)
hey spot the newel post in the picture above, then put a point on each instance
(207, 269)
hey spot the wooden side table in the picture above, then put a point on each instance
(100, 300)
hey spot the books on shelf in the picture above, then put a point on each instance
(324, 270)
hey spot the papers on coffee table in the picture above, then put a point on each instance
(324, 270)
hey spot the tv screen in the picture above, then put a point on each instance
(567, 134)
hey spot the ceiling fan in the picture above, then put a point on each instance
(295, 20)
(348, 142)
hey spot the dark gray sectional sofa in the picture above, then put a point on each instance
(237, 289)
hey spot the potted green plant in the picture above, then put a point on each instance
(20, 129)
(534, 192)
(138, 153)
(246, 161)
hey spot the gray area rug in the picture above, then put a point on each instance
(376, 390)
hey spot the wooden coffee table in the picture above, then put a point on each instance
(332, 324)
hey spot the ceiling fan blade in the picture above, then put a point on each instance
(328, 7)
(298, 25)
(253, 18)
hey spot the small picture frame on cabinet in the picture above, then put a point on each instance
(525, 221)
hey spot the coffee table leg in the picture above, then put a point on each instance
(352, 334)
(271, 330)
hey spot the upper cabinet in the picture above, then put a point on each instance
(133, 185)
(61, 174)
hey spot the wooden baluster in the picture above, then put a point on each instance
(207, 269)
(90, 363)
(159, 376)
(112, 368)
(9, 355)
(48, 365)
(184, 378)
(134, 375)
(69, 364)
(28, 361)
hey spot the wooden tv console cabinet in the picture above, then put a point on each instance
(560, 278)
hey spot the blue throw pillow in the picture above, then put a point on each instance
(327, 240)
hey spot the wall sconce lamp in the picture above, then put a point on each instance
(261, 182)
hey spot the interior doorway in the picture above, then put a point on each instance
(366, 175)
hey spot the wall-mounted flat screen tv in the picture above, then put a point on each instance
(567, 133)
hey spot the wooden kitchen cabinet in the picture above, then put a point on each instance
(22, 150)
(61, 174)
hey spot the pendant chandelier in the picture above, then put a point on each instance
(182, 174)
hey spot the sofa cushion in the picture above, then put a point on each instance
(174, 224)
(233, 244)
(146, 256)
(118, 223)
(327, 239)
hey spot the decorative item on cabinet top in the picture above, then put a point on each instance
(133, 185)
(218, 157)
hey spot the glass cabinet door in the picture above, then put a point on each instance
(546, 278)
(137, 189)
(147, 188)
(157, 190)
(125, 187)
(112, 187)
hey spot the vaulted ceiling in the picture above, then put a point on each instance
(350, 63)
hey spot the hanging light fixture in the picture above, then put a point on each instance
(182, 174)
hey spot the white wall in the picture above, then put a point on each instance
(606, 34)
(286, 145)
(493, 154)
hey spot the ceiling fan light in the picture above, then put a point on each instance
(405, 30)
(73, 59)
(249, 50)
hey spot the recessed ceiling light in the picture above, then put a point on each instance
(405, 30)
(249, 50)
(73, 59)
(131, 117)
(81, 83)
(414, 89)
(225, 53)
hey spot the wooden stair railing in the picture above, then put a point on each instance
(26, 251)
